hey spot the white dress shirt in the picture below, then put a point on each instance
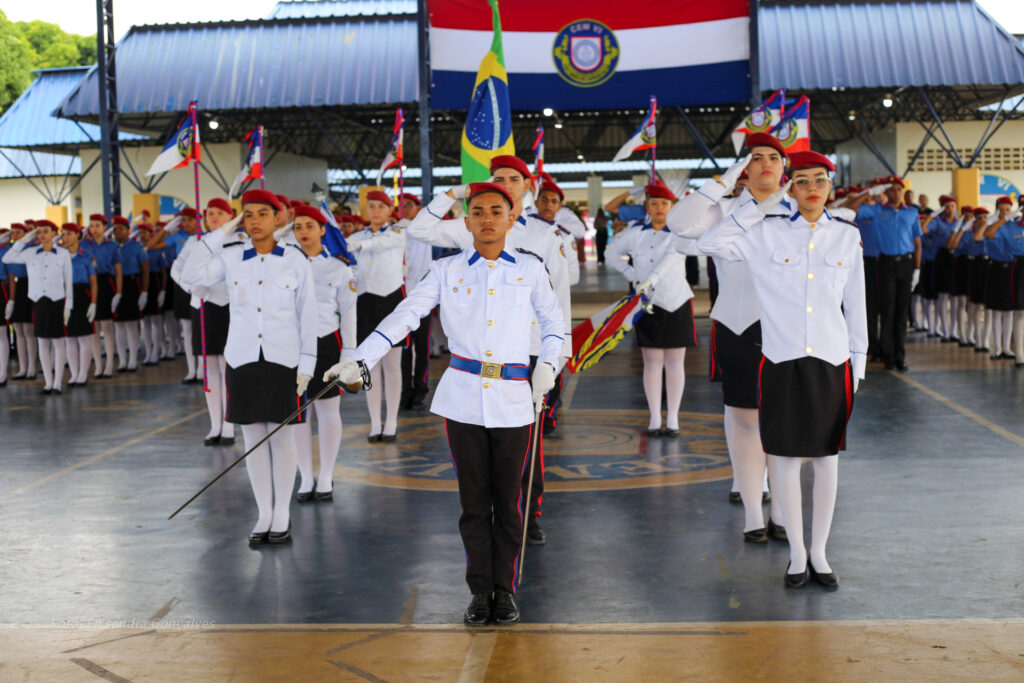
(272, 299)
(533, 235)
(569, 220)
(217, 294)
(335, 286)
(380, 255)
(572, 261)
(658, 256)
(418, 257)
(486, 311)
(49, 272)
(809, 279)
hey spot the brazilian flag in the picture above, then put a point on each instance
(488, 130)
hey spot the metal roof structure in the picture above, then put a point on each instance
(311, 9)
(20, 163)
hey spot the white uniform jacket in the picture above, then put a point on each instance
(657, 255)
(335, 286)
(49, 272)
(809, 279)
(217, 294)
(486, 311)
(272, 299)
(380, 255)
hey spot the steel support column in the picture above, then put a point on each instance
(695, 134)
(110, 152)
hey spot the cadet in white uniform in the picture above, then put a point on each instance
(270, 351)
(380, 249)
(490, 297)
(416, 354)
(808, 273)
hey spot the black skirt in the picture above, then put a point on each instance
(169, 298)
(48, 318)
(1017, 279)
(371, 309)
(804, 407)
(978, 272)
(181, 302)
(78, 323)
(663, 329)
(328, 352)
(961, 275)
(926, 283)
(152, 301)
(105, 296)
(128, 306)
(261, 392)
(734, 362)
(999, 286)
(216, 318)
(22, 304)
(944, 271)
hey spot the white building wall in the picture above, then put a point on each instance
(19, 200)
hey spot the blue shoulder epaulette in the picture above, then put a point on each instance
(843, 220)
(527, 251)
(234, 244)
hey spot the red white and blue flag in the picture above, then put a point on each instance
(762, 119)
(181, 148)
(645, 137)
(595, 54)
(395, 156)
(538, 151)
(794, 130)
(253, 167)
(602, 332)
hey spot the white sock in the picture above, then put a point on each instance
(258, 466)
(214, 401)
(121, 340)
(109, 339)
(392, 366)
(748, 462)
(787, 475)
(46, 360)
(947, 322)
(60, 356)
(328, 425)
(826, 482)
(30, 337)
(186, 339)
(85, 354)
(1007, 330)
(929, 314)
(996, 327)
(20, 346)
(373, 396)
(776, 506)
(282, 448)
(97, 346)
(1018, 335)
(675, 382)
(5, 352)
(172, 334)
(304, 453)
(227, 429)
(987, 335)
(71, 349)
(654, 365)
(132, 330)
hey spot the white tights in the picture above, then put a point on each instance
(151, 331)
(671, 362)
(107, 328)
(271, 470)
(51, 357)
(186, 340)
(975, 325)
(126, 337)
(391, 366)
(5, 352)
(959, 306)
(749, 463)
(79, 351)
(25, 343)
(1000, 326)
(1018, 335)
(170, 334)
(945, 315)
(328, 425)
(826, 482)
(217, 397)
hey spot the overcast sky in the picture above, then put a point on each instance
(79, 16)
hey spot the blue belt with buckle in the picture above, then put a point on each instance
(492, 370)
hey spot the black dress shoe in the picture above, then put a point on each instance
(418, 405)
(766, 497)
(1007, 356)
(258, 537)
(18, 377)
(981, 349)
(756, 535)
(735, 498)
(949, 339)
(388, 438)
(505, 609)
(46, 391)
(3, 384)
(304, 496)
(324, 496)
(670, 433)
(777, 531)
(227, 441)
(902, 367)
(479, 611)
(279, 537)
(829, 581)
(653, 432)
(56, 392)
(534, 534)
(965, 344)
(373, 438)
(797, 580)
(211, 441)
(187, 380)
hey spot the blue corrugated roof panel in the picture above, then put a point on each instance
(311, 9)
(29, 122)
(260, 65)
(15, 162)
(879, 45)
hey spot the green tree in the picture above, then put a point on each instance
(16, 55)
(53, 47)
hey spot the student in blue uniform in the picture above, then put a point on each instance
(5, 342)
(999, 290)
(108, 277)
(83, 313)
(128, 311)
(19, 311)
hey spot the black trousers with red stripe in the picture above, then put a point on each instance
(415, 372)
(489, 464)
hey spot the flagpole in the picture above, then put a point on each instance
(654, 149)
(259, 136)
(199, 214)
(401, 164)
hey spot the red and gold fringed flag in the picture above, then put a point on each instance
(593, 338)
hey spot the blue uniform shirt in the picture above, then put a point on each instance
(105, 253)
(939, 231)
(157, 260)
(1008, 242)
(964, 246)
(868, 239)
(81, 267)
(975, 248)
(894, 229)
(131, 256)
(175, 242)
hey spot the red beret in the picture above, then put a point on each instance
(295, 203)
(145, 226)
(120, 219)
(809, 159)
(546, 177)
(551, 187)
(966, 209)
(73, 227)
(220, 203)
(1004, 200)
(743, 175)
(980, 209)
(310, 212)
(765, 140)
(841, 193)
(345, 218)
(378, 195)
(483, 188)
(46, 223)
(510, 161)
(18, 226)
(895, 180)
(261, 197)
(283, 200)
(412, 198)
(946, 199)
(29, 221)
(659, 191)
(98, 217)
(187, 212)
(878, 181)
(161, 224)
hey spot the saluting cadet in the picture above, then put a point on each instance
(415, 354)
(20, 311)
(490, 297)
(86, 290)
(808, 273)
(52, 294)
(959, 246)
(152, 314)
(736, 327)
(928, 292)
(979, 272)
(941, 228)
(185, 305)
(1012, 235)
(5, 341)
(109, 278)
(380, 249)
(215, 320)
(270, 351)
(869, 239)
(999, 245)
(657, 266)
(335, 287)
(127, 312)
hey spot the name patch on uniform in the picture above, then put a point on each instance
(586, 53)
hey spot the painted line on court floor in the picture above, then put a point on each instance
(99, 456)
(97, 670)
(352, 669)
(967, 412)
(409, 607)
(478, 659)
(570, 390)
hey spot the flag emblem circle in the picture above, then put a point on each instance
(787, 132)
(760, 120)
(586, 53)
(184, 141)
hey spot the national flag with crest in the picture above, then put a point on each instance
(761, 120)
(253, 167)
(395, 155)
(794, 130)
(488, 129)
(334, 240)
(181, 148)
(645, 136)
(593, 338)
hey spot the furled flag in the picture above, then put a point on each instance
(334, 239)
(253, 167)
(395, 155)
(593, 338)
(488, 130)
(761, 119)
(538, 151)
(794, 130)
(182, 148)
(645, 136)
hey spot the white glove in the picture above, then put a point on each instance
(161, 296)
(90, 313)
(992, 219)
(301, 382)
(856, 384)
(67, 315)
(637, 192)
(29, 236)
(767, 205)
(543, 381)
(115, 301)
(733, 173)
(143, 298)
(355, 245)
(460, 191)
(173, 226)
(917, 276)
(281, 233)
(347, 372)
(1015, 216)
(5, 238)
(9, 310)
(231, 225)
(878, 189)
(643, 287)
